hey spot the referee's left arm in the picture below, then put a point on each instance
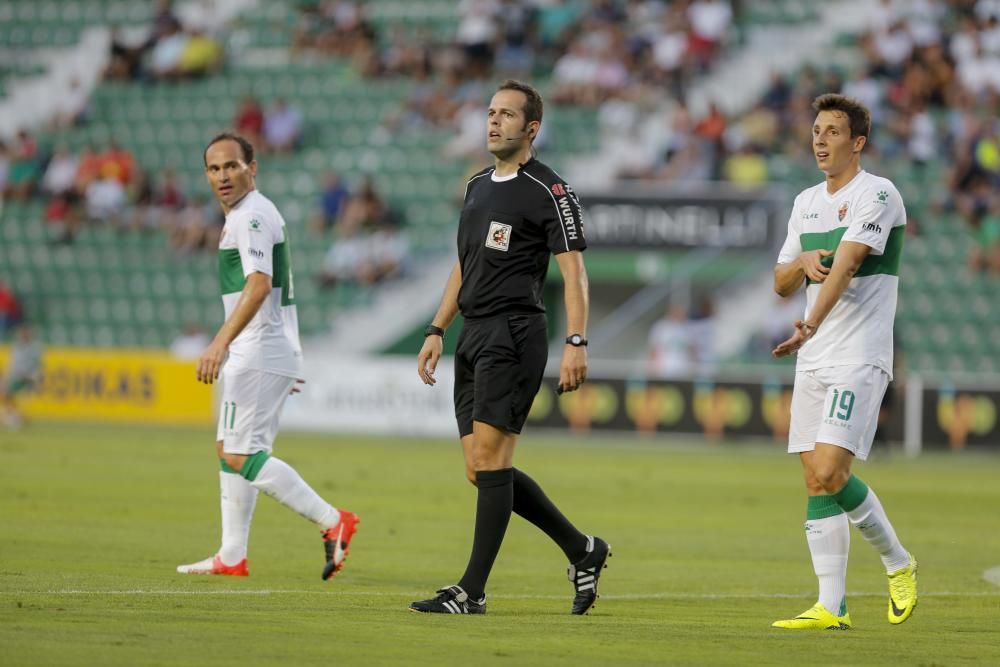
(573, 369)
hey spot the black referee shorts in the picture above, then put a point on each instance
(499, 364)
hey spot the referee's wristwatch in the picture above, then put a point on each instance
(576, 340)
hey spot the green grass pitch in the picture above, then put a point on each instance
(708, 550)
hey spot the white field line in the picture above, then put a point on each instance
(337, 593)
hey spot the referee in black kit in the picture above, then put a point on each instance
(516, 214)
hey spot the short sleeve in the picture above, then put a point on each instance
(561, 217)
(256, 237)
(878, 210)
(792, 247)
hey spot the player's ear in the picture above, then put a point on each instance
(253, 168)
(859, 143)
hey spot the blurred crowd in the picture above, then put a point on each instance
(105, 185)
(930, 75)
(171, 50)
(368, 244)
(597, 51)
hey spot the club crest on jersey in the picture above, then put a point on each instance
(558, 190)
(842, 211)
(499, 236)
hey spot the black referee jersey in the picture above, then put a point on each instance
(508, 229)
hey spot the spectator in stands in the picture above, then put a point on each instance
(478, 31)
(710, 20)
(347, 259)
(249, 120)
(364, 210)
(331, 202)
(282, 127)
(60, 174)
(190, 343)
(200, 56)
(23, 374)
(983, 218)
(88, 167)
(388, 251)
(105, 197)
(125, 59)
(672, 352)
(122, 160)
(165, 56)
(516, 50)
(10, 310)
(193, 228)
(23, 172)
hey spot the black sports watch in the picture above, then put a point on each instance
(576, 340)
(432, 330)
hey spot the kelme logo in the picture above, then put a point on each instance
(255, 225)
(883, 196)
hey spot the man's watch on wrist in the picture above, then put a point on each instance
(576, 340)
(432, 330)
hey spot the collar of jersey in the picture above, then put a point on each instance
(246, 198)
(844, 190)
(501, 179)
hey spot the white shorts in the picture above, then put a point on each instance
(839, 406)
(250, 410)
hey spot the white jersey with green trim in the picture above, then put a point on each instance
(858, 329)
(255, 239)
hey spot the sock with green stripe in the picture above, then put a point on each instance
(867, 514)
(828, 534)
(237, 499)
(280, 481)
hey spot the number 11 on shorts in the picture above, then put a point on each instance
(229, 416)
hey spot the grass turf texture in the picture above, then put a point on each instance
(708, 551)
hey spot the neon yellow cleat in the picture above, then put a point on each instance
(903, 592)
(817, 618)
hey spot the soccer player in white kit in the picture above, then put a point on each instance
(258, 353)
(855, 220)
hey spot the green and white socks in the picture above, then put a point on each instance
(867, 514)
(280, 481)
(238, 498)
(828, 535)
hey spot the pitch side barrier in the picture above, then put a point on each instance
(382, 394)
(115, 385)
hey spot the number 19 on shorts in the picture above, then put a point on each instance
(841, 406)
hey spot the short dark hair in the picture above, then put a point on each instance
(245, 146)
(533, 102)
(858, 117)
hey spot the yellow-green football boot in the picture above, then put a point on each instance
(903, 592)
(817, 618)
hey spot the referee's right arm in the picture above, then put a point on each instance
(433, 344)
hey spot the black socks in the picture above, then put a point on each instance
(493, 508)
(531, 503)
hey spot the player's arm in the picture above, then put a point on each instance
(255, 290)
(573, 368)
(789, 277)
(433, 345)
(795, 265)
(847, 261)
